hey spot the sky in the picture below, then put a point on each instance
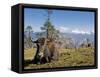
(63, 20)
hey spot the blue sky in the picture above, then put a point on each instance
(63, 20)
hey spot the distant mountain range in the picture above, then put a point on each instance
(77, 37)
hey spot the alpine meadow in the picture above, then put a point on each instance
(58, 38)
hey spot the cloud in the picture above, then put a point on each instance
(92, 31)
(77, 31)
(72, 30)
(63, 29)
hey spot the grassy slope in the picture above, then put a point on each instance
(68, 58)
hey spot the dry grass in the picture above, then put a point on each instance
(67, 58)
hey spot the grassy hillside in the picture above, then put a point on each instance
(67, 58)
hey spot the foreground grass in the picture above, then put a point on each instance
(67, 58)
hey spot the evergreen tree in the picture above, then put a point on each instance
(28, 31)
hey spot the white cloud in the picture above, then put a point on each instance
(80, 31)
(63, 29)
(72, 30)
(93, 31)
